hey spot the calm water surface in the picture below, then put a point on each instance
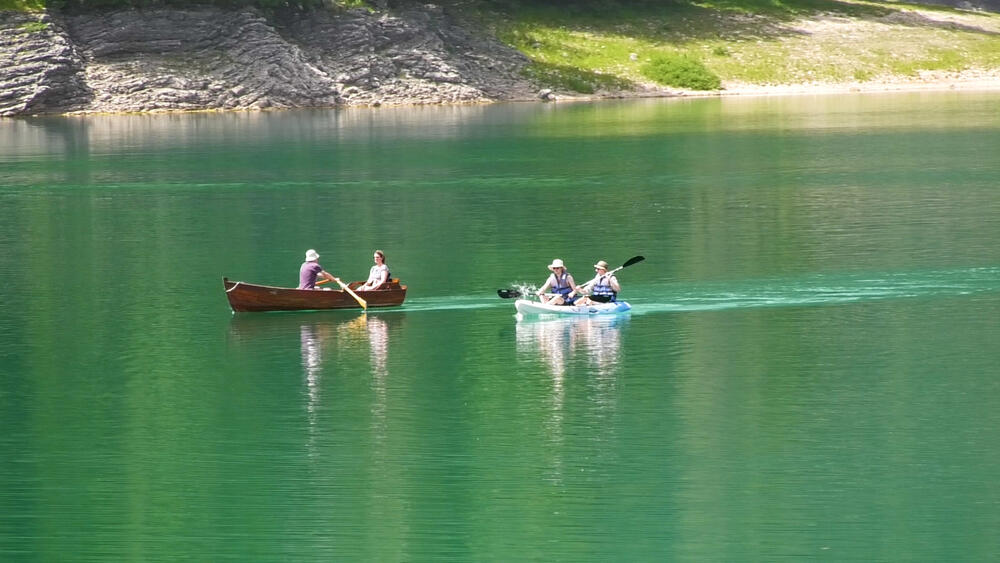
(809, 371)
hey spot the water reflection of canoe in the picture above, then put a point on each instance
(246, 297)
(526, 307)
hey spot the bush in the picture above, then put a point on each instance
(680, 71)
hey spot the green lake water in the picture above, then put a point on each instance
(810, 369)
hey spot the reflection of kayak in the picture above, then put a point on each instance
(526, 307)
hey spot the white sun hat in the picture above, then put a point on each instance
(557, 263)
(311, 255)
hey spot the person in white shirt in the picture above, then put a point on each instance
(378, 275)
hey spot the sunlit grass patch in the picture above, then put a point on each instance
(787, 9)
(757, 41)
(22, 5)
(34, 27)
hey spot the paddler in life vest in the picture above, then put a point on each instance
(603, 288)
(560, 282)
(310, 270)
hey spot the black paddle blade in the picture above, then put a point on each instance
(508, 293)
(633, 260)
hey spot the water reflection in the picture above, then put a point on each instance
(318, 335)
(312, 338)
(63, 143)
(328, 346)
(564, 343)
(557, 341)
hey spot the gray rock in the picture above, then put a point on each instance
(212, 58)
(40, 70)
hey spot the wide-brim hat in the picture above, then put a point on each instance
(557, 263)
(601, 264)
(311, 255)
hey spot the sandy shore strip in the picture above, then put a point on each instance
(927, 81)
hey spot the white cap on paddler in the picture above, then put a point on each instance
(311, 255)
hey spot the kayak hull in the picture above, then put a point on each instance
(527, 307)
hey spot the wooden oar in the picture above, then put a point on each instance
(362, 302)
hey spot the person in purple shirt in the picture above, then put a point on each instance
(310, 270)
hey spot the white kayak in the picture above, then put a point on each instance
(526, 307)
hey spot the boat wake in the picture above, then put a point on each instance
(819, 290)
(458, 302)
(825, 289)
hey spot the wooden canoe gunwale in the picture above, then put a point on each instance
(248, 297)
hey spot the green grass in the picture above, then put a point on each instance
(763, 42)
(574, 79)
(34, 27)
(22, 5)
(680, 71)
(612, 44)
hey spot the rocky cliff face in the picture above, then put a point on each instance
(210, 58)
(39, 67)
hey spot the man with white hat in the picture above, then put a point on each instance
(562, 284)
(603, 288)
(310, 270)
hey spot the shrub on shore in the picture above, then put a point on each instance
(680, 71)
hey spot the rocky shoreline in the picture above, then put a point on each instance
(215, 59)
(218, 59)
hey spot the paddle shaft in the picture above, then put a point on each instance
(362, 302)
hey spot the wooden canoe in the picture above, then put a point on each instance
(248, 297)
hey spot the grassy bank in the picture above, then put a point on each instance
(590, 46)
(747, 42)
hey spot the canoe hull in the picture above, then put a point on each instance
(247, 297)
(526, 307)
